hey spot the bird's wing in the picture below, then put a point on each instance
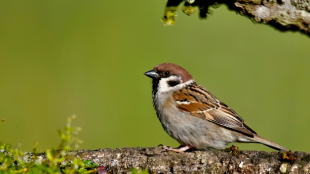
(201, 103)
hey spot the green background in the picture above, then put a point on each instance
(59, 58)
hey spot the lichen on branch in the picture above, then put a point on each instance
(284, 15)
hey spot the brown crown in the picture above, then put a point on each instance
(173, 69)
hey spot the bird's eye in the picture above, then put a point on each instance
(173, 83)
(166, 73)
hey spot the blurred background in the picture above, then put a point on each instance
(59, 58)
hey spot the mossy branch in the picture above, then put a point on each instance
(156, 160)
(284, 15)
(143, 160)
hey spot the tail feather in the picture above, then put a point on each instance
(259, 139)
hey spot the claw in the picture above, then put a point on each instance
(164, 147)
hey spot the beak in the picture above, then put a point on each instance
(152, 74)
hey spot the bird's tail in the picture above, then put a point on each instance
(259, 139)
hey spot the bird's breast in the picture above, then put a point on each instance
(188, 129)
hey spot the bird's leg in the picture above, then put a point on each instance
(180, 149)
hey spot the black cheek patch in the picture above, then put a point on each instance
(172, 83)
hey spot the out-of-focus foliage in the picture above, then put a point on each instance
(59, 58)
(13, 160)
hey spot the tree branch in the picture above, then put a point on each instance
(293, 15)
(156, 160)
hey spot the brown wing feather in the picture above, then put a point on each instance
(201, 103)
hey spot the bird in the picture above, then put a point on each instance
(193, 116)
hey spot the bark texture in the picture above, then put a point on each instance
(293, 15)
(282, 14)
(157, 160)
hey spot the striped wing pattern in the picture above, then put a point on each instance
(201, 103)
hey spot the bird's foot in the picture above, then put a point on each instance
(179, 150)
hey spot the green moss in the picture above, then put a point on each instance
(136, 171)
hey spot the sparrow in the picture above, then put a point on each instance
(193, 116)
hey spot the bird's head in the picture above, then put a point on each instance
(167, 76)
